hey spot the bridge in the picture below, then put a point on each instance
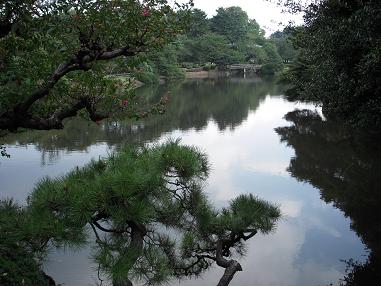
(245, 68)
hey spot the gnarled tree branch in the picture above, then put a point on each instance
(20, 117)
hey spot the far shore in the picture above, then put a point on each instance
(205, 74)
(188, 75)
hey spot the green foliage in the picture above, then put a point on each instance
(165, 62)
(209, 66)
(247, 211)
(146, 74)
(52, 54)
(283, 43)
(339, 60)
(19, 247)
(159, 63)
(231, 37)
(198, 24)
(215, 48)
(274, 62)
(148, 212)
(231, 23)
(255, 32)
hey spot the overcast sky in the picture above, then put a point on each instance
(267, 14)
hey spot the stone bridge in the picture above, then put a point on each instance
(245, 67)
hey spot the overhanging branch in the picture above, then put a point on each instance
(20, 117)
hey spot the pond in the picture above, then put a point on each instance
(326, 186)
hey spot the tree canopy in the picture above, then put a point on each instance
(339, 61)
(232, 23)
(52, 55)
(231, 37)
(199, 24)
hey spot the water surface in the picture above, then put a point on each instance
(233, 121)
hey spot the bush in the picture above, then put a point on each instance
(209, 66)
(146, 74)
(172, 71)
(188, 65)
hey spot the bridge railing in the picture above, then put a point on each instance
(244, 67)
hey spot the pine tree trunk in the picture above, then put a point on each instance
(231, 266)
(229, 273)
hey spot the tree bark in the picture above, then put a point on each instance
(138, 231)
(231, 266)
(229, 273)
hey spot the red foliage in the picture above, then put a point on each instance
(146, 12)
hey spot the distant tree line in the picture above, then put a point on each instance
(229, 37)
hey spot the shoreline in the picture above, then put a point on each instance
(205, 74)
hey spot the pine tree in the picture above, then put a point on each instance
(147, 212)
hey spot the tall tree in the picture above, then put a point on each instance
(339, 61)
(198, 23)
(215, 48)
(283, 43)
(232, 22)
(274, 61)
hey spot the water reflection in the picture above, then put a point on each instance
(193, 104)
(346, 169)
(233, 121)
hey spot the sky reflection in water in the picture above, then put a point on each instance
(233, 122)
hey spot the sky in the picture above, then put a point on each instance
(266, 13)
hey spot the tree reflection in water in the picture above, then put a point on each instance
(346, 168)
(192, 105)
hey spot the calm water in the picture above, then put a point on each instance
(327, 186)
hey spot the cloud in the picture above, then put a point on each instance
(291, 208)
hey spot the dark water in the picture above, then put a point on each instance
(326, 184)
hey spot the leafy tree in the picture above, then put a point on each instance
(229, 37)
(339, 61)
(165, 62)
(215, 48)
(255, 32)
(274, 62)
(251, 45)
(232, 22)
(198, 23)
(148, 214)
(52, 54)
(233, 38)
(284, 45)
